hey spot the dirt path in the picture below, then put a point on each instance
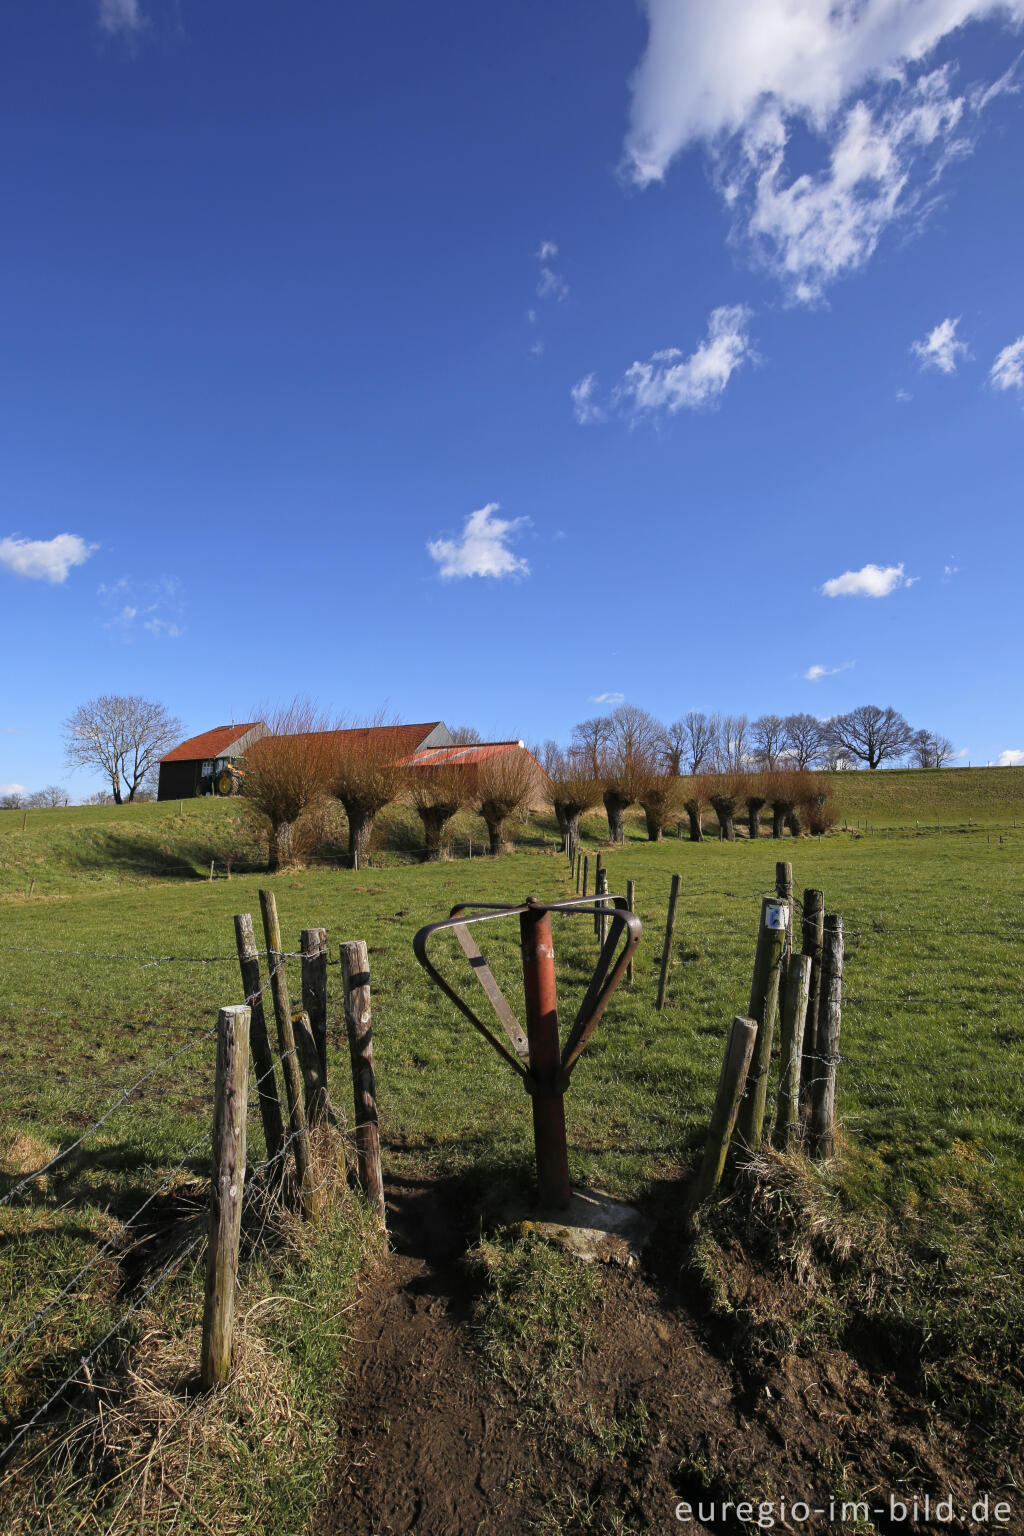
(429, 1443)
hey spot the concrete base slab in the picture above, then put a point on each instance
(594, 1226)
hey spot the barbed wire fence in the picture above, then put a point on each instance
(81, 1178)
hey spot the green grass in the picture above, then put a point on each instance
(930, 1087)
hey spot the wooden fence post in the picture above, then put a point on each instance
(784, 891)
(813, 930)
(666, 954)
(764, 1004)
(794, 1017)
(597, 891)
(355, 973)
(227, 1183)
(823, 1098)
(289, 1052)
(602, 921)
(586, 871)
(270, 1104)
(579, 869)
(731, 1084)
(314, 990)
(631, 904)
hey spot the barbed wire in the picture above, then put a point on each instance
(174, 1263)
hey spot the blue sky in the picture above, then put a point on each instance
(489, 363)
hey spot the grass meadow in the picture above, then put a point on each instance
(123, 954)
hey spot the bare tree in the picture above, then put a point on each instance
(871, 735)
(803, 739)
(465, 736)
(725, 791)
(627, 761)
(572, 787)
(505, 786)
(673, 744)
(659, 795)
(53, 795)
(732, 740)
(694, 795)
(123, 735)
(930, 750)
(288, 774)
(768, 740)
(701, 735)
(590, 739)
(438, 793)
(14, 800)
(365, 777)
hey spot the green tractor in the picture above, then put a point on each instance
(223, 778)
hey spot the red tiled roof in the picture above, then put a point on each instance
(402, 739)
(210, 744)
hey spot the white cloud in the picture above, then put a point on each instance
(483, 548)
(869, 581)
(940, 348)
(148, 602)
(739, 76)
(1008, 369)
(121, 16)
(584, 407)
(45, 559)
(903, 395)
(608, 698)
(813, 674)
(12, 789)
(671, 382)
(548, 250)
(1010, 759)
(552, 286)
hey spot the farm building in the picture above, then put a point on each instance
(210, 763)
(196, 766)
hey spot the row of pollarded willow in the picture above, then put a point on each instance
(302, 763)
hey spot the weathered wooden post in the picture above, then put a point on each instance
(227, 1184)
(666, 954)
(731, 1083)
(794, 1017)
(602, 921)
(314, 989)
(764, 1003)
(299, 1131)
(823, 1097)
(355, 975)
(631, 904)
(579, 869)
(259, 1040)
(784, 891)
(597, 891)
(813, 930)
(586, 871)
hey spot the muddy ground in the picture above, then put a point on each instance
(657, 1410)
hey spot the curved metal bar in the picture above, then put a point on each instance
(419, 945)
(603, 984)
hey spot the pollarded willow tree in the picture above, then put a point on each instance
(725, 792)
(659, 796)
(287, 779)
(506, 785)
(633, 744)
(366, 777)
(572, 787)
(438, 792)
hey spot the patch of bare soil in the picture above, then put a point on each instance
(661, 1410)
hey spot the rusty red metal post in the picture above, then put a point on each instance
(548, 1093)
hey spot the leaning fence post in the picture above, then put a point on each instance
(266, 1083)
(227, 1183)
(764, 1004)
(289, 1053)
(731, 1084)
(631, 904)
(314, 990)
(823, 1098)
(794, 1018)
(355, 975)
(813, 931)
(670, 926)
